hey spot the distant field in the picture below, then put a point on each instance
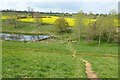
(52, 19)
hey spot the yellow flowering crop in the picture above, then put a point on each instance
(4, 17)
(52, 19)
(71, 21)
(27, 20)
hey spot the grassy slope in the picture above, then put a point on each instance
(92, 48)
(55, 56)
(27, 27)
(104, 62)
(105, 67)
(18, 52)
(39, 60)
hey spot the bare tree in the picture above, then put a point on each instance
(30, 10)
(15, 19)
(12, 19)
(37, 18)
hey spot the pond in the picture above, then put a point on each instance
(23, 37)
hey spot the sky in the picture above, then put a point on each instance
(70, 6)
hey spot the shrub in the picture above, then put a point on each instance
(61, 24)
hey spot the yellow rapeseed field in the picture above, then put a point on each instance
(52, 19)
(4, 17)
(27, 20)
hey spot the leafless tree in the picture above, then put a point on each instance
(37, 18)
(31, 11)
(12, 19)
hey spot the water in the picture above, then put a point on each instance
(22, 37)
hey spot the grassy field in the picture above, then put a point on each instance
(28, 28)
(52, 58)
(104, 66)
(34, 60)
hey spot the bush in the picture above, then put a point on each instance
(61, 24)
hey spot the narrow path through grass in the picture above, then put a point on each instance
(89, 72)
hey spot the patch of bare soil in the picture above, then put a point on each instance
(90, 74)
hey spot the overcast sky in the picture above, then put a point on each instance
(95, 6)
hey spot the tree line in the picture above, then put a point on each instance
(49, 13)
(102, 29)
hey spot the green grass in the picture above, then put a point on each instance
(52, 58)
(37, 46)
(27, 27)
(85, 47)
(104, 62)
(24, 60)
(105, 67)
